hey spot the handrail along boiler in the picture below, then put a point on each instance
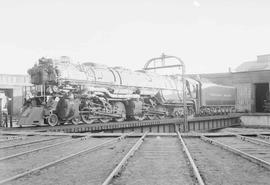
(90, 92)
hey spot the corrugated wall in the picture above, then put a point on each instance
(245, 97)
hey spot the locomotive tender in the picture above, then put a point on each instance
(89, 92)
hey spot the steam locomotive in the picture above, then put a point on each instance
(89, 92)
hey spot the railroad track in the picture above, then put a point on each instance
(263, 137)
(255, 150)
(156, 161)
(20, 150)
(221, 166)
(7, 145)
(146, 158)
(10, 138)
(109, 156)
(31, 172)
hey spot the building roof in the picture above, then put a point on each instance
(262, 63)
(253, 66)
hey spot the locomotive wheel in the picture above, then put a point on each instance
(52, 120)
(139, 117)
(161, 116)
(107, 108)
(104, 120)
(151, 117)
(76, 120)
(85, 117)
(160, 108)
(177, 114)
(119, 108)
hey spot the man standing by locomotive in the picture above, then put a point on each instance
(3, 110)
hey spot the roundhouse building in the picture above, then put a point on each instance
(251, 79)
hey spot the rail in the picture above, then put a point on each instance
(263, 136)
(63, 159)
(124, 160)
(238, 152)
(28, 143)
(193, 165)
(42, 148)
(10, 139)
(252, 140)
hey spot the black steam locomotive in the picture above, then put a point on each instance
(89, 92)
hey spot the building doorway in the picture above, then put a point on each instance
(261, 90)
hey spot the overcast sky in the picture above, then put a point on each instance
(209, 35)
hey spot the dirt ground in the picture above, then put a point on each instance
(89, 168)
(218, 166)
(159, 161)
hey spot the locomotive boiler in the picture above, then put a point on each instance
(90, 92)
